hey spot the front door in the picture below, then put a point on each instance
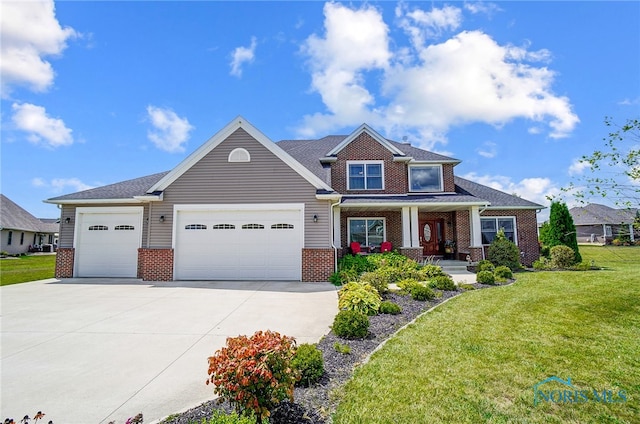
(431, 236)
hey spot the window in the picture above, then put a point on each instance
(10, 237)
(365, 175)
(367, 231)
(239, 155)
(124, 227)
(253, 227)
(425, 178)
(607, 231)
(282, 227)
(223, 227)
(195, 227)
(98, 228)
(21, 238)
(490, 227)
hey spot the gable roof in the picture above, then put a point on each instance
(223, 134)
(374, 134)
(497, 199)
(595, 213)
(14, 217)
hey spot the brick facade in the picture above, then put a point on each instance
(155, 264)
(526, 230)
(414, 253)
(317, 264)
(64, 262)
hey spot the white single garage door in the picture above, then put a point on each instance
(239, 243)
(107, 241)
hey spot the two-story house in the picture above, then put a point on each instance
(243, 207)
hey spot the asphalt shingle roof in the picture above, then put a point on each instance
(497, 198)
(14, 217)
(595, 213)
(122, 190)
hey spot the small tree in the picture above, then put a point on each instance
(254, 373)
(562, 230)
(503, 252)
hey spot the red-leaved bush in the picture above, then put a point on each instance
(254, 373)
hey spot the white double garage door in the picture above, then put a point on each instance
(210, 242)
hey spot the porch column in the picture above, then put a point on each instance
(337, 235)
(476, 229)
(415, 227)
(406, 227)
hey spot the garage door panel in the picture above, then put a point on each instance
(240, 244)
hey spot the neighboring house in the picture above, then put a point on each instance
(243, 207)
(22, 232)
(597, 223)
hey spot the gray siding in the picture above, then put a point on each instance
(265, 179)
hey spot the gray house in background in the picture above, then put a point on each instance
(23, 232)
(602, 224)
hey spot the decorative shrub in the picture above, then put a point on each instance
(407, 284)
(220, 417)
(503, 272)
(485, 265)
(309, 364)
(388, 307)
(430, 271)
(358, 263)
(583, 266)
(380, 278)
(361, 297)
(504, 252)
(254, 373)
(342, 348)
(392, 259)
(343, 276)
(467, 286)
(351, 325)
(485, 277)
(562, 256)
(541, 264)
(443, 282)
(422, 293)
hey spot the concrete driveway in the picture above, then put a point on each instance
(95, 350)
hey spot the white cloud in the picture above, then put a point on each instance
(481, 7)
(489, 149)
(426, 90)
(170, 132)
(421, 25)
(578, 166)
(41, 129)
(59, 185)
(29, 32)
(242, 55)
(535, 189)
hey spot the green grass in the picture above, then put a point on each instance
(476, 358)
(26, 268)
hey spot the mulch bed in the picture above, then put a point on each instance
(314, 404)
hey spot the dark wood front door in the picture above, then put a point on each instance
(431, 236)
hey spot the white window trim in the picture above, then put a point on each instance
(239, 155)
(515, 226)
(365, 162)
(384, 225)
(423, 165)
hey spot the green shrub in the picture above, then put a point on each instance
(467, 286)
(562, 256)
(485, 265)
(361, 297)
(392, 259)
(542, 264)
(342, 348)
(407, 284)
(308, 363)
(430, 271)
(254, 373)
(443, 282)
(390, 308)
(504, 252)
(220, 417)
(503, 272)
(485, 277)
(351, 325)
(422, 293)
(380, 278)
(343, 276)
(582, 266)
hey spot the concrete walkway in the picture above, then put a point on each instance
(94, 350)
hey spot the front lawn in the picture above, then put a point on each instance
(478, 357)
(26, 268)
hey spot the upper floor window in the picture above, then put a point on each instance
(365, 175)
(239, 155)
(490, 226)
(425, 178)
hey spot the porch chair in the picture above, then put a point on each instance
(385, 246)
(355, 247)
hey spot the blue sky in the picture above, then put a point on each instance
(99, 92)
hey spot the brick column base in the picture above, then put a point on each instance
(64, 262)
(155, 264)
(317, 264)
(414, 253)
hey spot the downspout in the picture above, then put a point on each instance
(335, 248)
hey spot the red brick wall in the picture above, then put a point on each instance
(64, 262)
(527, 232)
(463, 235)
(317, 264)
(414, 253)
(364, 147)
(447, 177)
(393, 222)
(155, 264)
